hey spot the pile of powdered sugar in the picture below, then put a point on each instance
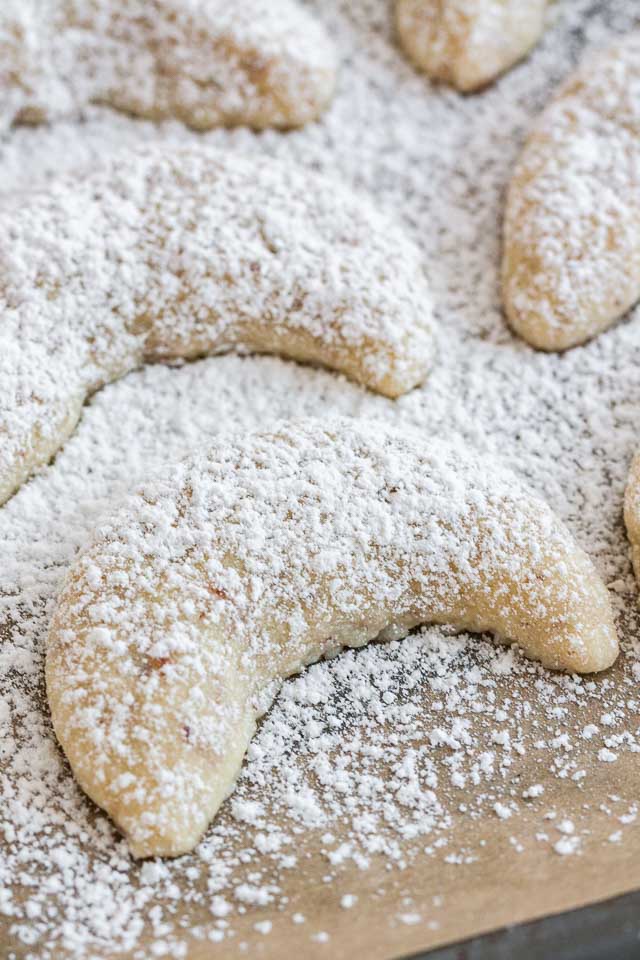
(394, 752)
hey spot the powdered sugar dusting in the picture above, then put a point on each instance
(252, 559)
(571, 248)
(448, 723)
(468, 42)
(173, 254)
(259, 62)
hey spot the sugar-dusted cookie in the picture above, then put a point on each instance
(178, 253)
(572, 227)
(237, 567)
(468, 43)
(632, 513)
(259, 63)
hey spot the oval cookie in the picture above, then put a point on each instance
(468, 43)
(571, 263)
(632, 513)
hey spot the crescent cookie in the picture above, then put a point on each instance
(572, 227)
(632, 513)
(468, 43)
(261, 63)
(237, 567)
(181, 253)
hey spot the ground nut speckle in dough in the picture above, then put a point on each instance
(402, 752)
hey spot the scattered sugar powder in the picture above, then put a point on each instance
(566, 846)
(566, 826)
(502, 811)
(536, 790)
(401, 750)
(410, 919)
